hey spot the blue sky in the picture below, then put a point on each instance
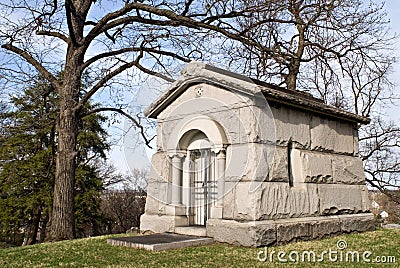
(393, 9)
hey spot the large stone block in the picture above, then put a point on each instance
(279, 168)
(291, 125)
(166, 134)
(245, 204)
(347, 170)
(161, 223)
(365, 201)
(152, 205)
(160, 167)
(296, 229)
(248, 234)
(355, 142)
(157, 196)
(341, 199)
(235, 165)
(325, 226)
(270, 200)
(249, 162)
(359, 223)
(229, 119)
(258, 124)
(276, 200)
(289, 230)
(331, 135)
(282, 231)
(317, 167)
(229, 200)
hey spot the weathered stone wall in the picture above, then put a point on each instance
(278, 200)
(326, 152)
(314, 132)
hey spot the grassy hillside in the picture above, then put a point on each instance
(95, 252)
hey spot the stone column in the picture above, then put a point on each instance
(221, 163)
(177, 172)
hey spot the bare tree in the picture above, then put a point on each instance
(380, 152)
(315, 44)
(80, 36)
(271, 39)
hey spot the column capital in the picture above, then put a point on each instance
(221, 154)
(218, 150)
(176, 153)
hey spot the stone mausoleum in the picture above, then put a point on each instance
(250, 163)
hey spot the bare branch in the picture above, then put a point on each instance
(54, 34)
(133, 49)
(39, 67)
(122, 112)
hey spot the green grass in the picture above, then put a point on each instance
(95, 252)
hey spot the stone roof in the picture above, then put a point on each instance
(196, 72)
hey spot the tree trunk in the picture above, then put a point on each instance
(62, 223)
(43, 228)
(290, 80)
(33, 230)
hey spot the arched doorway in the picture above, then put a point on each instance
(198, 159)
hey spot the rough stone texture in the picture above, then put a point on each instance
(248, 234)
(161, 223)
(258, 123)
(279, 167)
(275, 200)
(245, 205)
(157, 197)
(340, 198)
(317, 167)
(160, 167)
(152, 205)
(348, 170)
(365, 201)
(281, 231)
(331, 135)
(355, 141)
(292, 231)
(359, 222)
(241, 118)
(229, 200)
(253, 163)
(325, 226)
(236, 167)
(291, 125)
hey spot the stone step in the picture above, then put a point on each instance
(191, 230)
(162, 241)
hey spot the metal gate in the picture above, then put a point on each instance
(201, 184)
